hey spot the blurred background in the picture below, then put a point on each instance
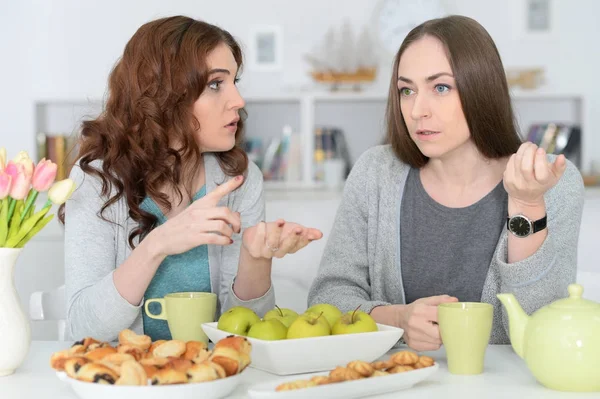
(315, 81)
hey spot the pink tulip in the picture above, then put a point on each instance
(5, 180)
(44, 175)
(22, 158)
(21, 181)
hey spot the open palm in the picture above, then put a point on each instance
(277, 239)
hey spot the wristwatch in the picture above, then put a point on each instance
(521, 226)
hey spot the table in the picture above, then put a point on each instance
(505, 376)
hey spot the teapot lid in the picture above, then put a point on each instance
(574, 301)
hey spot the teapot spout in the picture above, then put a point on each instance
(517, 321)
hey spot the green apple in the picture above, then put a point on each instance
(355, 321)
(331, 313)
(270, 330)
(237, 320)
(309, 325)
(285, 316)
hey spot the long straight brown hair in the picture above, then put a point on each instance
(481, 84)
(151, 92)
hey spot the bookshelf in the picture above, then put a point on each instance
(360, 115)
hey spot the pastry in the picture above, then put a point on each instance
(379, 373)
(229, 358)
(73, 364)
(193, 349)
(134, 351)
(95, 372)
(203, 354)
(179, 364)
(128, 337)
(363, 368)
(207, 371)
(383, 365)
(86, 342)
(400, 369)
(172, 348)
(340, 374)
(404, 358)
(424, 361)
(321, 380)
(57, 360)
(154, 345)
(132, 373)
(168, 376)
(289, 386)
(99, 353)
(240, 344)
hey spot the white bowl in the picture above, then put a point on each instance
(206, 390)
(344, 390)
(308, 355)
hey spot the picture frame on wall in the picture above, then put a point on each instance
(265, 48)
(532, 19)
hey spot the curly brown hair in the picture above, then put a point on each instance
(151, 92)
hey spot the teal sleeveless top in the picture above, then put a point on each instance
(184, 272)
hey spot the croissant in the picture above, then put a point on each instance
(207, 371)
(193, 349)
(168, 376)
(132, 373)
(95, 372)
(100, 353)
(73, 364)
(128, 337)
(240, 344)
(230, 359)
(172, 348)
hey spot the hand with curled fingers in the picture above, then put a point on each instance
(419, 322)
(529, 175)
(277, 239)
(203, 222)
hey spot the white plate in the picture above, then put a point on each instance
(205, 390)
(309, 355)
(346, 389)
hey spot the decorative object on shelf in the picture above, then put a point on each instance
(527, 79)
(266, 48)
(61, 149)
(339, 60)
(393, 19)
(332, 161)
(20, 184)
(557, 138)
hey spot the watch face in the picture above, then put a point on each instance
(520, 226)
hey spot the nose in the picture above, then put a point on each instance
(236, 101)
(421, 107)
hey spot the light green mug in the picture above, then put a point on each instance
(185, 312)
(465, 328)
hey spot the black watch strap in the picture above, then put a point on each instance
(540, 224)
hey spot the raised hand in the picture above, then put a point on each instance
(200, 223)
(529, 175)
(277, 239)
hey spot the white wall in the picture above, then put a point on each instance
(64, 49)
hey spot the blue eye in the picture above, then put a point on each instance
(442, 88)
(405, 91)
(215, 85)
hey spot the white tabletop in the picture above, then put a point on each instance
(505, 376)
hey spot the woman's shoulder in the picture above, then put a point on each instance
(379, 160)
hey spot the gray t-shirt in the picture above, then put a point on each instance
(448, 250)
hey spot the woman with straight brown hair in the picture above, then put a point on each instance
(167, 200)
(455, 207)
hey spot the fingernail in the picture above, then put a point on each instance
(280, 224)
(238, 178)
(298, 232)
(230, 241)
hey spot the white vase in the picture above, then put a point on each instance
(15, 331)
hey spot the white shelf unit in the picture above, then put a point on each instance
(361, 115)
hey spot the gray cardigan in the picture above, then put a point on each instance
(361, 262)
(94, 248)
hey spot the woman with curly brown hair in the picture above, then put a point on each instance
(167, 200)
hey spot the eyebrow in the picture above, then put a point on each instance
(428, 79)
(219, 70)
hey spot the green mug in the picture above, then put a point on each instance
(185, 312)
(465, 328)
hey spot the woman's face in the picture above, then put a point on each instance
(217, 108)
(429, 99)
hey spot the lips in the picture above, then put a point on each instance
(234, 122)
(425, 132)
